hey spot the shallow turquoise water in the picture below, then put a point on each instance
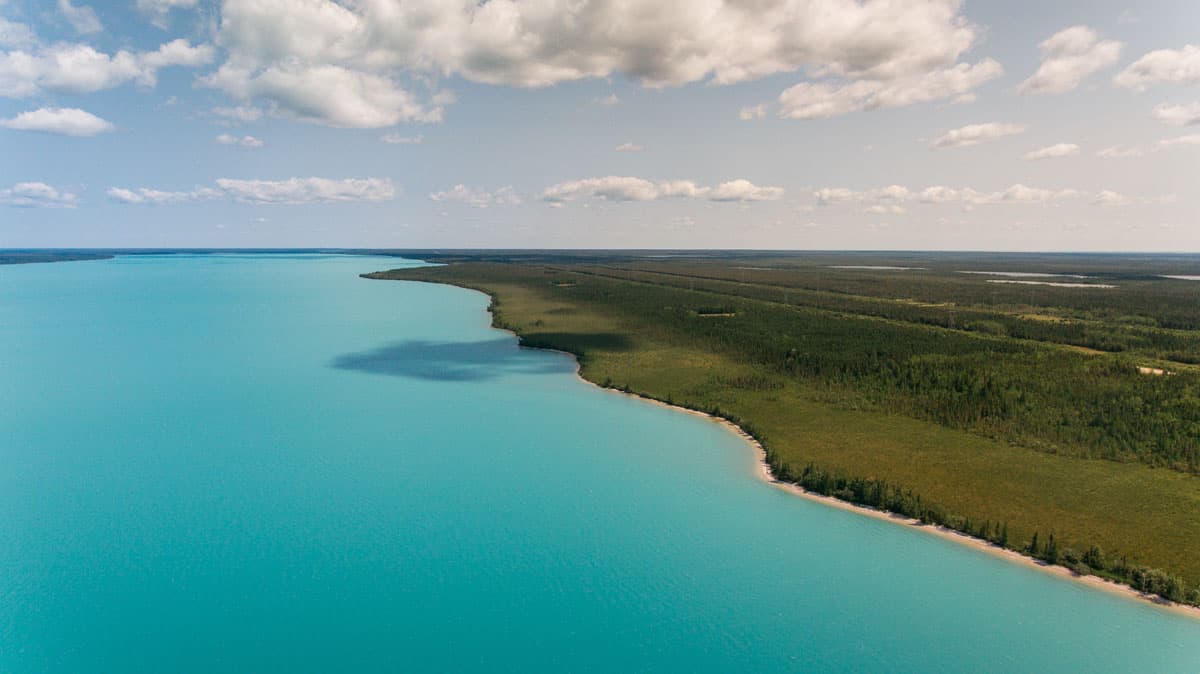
(264, 463)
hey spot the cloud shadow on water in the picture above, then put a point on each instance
(452, 361)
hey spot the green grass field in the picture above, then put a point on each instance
(1034, 464)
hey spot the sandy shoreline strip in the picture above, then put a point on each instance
(764, 473)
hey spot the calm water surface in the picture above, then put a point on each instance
(264, 463)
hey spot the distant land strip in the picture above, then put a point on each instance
(30, 257)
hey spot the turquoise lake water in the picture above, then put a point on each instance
(255, 463)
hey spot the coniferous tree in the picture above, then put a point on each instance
(1051, 553)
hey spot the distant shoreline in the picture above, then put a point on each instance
(41, 257)
(766, 475)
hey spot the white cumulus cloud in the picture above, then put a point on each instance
(613, 188)
(744, 190)
(78, 68)
(290, 51)
(629, 147)
(1173, 66)
(1068, 57)
(63, 121)
(37, 195)
(973, 134)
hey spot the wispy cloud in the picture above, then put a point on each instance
(290, 191)
(973, 134)
(753, 112)
(240, 113)
(478, 198)
(628, 188)
(1068, 57)
(15, 35)
(1179, 115)
(83, 19)
(243, 141)
(159, 11)
(397, 139)
(1053, 152)
(1125, 151)
(893, 195)
(809, 100)
(1111, 198)
(145, 195)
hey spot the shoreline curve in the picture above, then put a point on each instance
(765, 474)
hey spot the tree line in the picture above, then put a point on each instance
(1036, 396)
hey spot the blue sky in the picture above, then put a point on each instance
(909, 124)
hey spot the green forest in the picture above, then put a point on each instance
(1060, 421)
